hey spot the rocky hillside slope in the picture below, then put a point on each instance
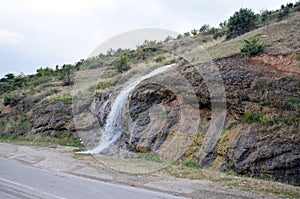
(260, 136)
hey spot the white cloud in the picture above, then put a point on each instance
(11, 38)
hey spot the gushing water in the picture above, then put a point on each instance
(114, 124)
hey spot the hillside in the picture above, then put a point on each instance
(182, 115)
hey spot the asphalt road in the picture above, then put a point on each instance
(19, 181)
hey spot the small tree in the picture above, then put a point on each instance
(10, 76)
(187, 34)
(283, 13)
(194, 32)
(7, 100)
(67, 74)
(241, 22)
(179, 36)
(213, 30)
(204, 29)
(223, 24)
(252, 47)
(20, 81)
(122, 65)
(168, 38)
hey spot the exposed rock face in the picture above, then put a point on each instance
(254, 155)
(146, 102)
(52, 118)
(261, 137)
(266, 146)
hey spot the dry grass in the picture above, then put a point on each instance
(280, 38)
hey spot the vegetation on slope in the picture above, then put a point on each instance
(44, 98)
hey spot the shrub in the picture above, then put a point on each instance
(252, 47)
(283, 14)
(194, 32)
(190, 164)
(241, 22)
(122, 64)
(12, 99)
(187, 34)
(67, 74)
(230, 166)
(151, 157)
(160, 59)
(274, 128)
(204, 29)
(291, 103)
(20, 81)
(7, 100)
(251, 117)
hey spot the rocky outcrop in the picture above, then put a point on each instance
(51, 118)
(263, 147)
(261, 135)
(148, 132)
(262, 155)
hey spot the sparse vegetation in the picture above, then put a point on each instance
(252, 117)
(230, 166)
(65, 99)
(122, 65)
(151, 157)
(252, 47)
(191, 165)
(19, 88)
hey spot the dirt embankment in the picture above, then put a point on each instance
(285, 65)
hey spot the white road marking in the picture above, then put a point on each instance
(30, 188)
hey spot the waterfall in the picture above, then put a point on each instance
(114, 123)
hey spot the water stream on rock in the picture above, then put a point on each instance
(114, 123)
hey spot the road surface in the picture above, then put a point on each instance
(19, 181)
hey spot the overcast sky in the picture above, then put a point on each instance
(41, 33)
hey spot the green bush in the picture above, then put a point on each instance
(66, 74)
(241, 22)
(283, 13)
(251, 117)
(11, 99)
(190, 164)
(151, 157)
(252, 47)
(7, 100)
(160, 59)
(230, 166)
(274, 128)
(292, 102)
(122, 64)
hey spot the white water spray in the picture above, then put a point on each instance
(114, 124)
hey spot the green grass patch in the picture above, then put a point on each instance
(293, 101)
(230, 166)
(64, 139)
(65, 99)
(106, 84)
(290, 121)
(274, 128)
(190, 165)
(251, 117)
(151, 157)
